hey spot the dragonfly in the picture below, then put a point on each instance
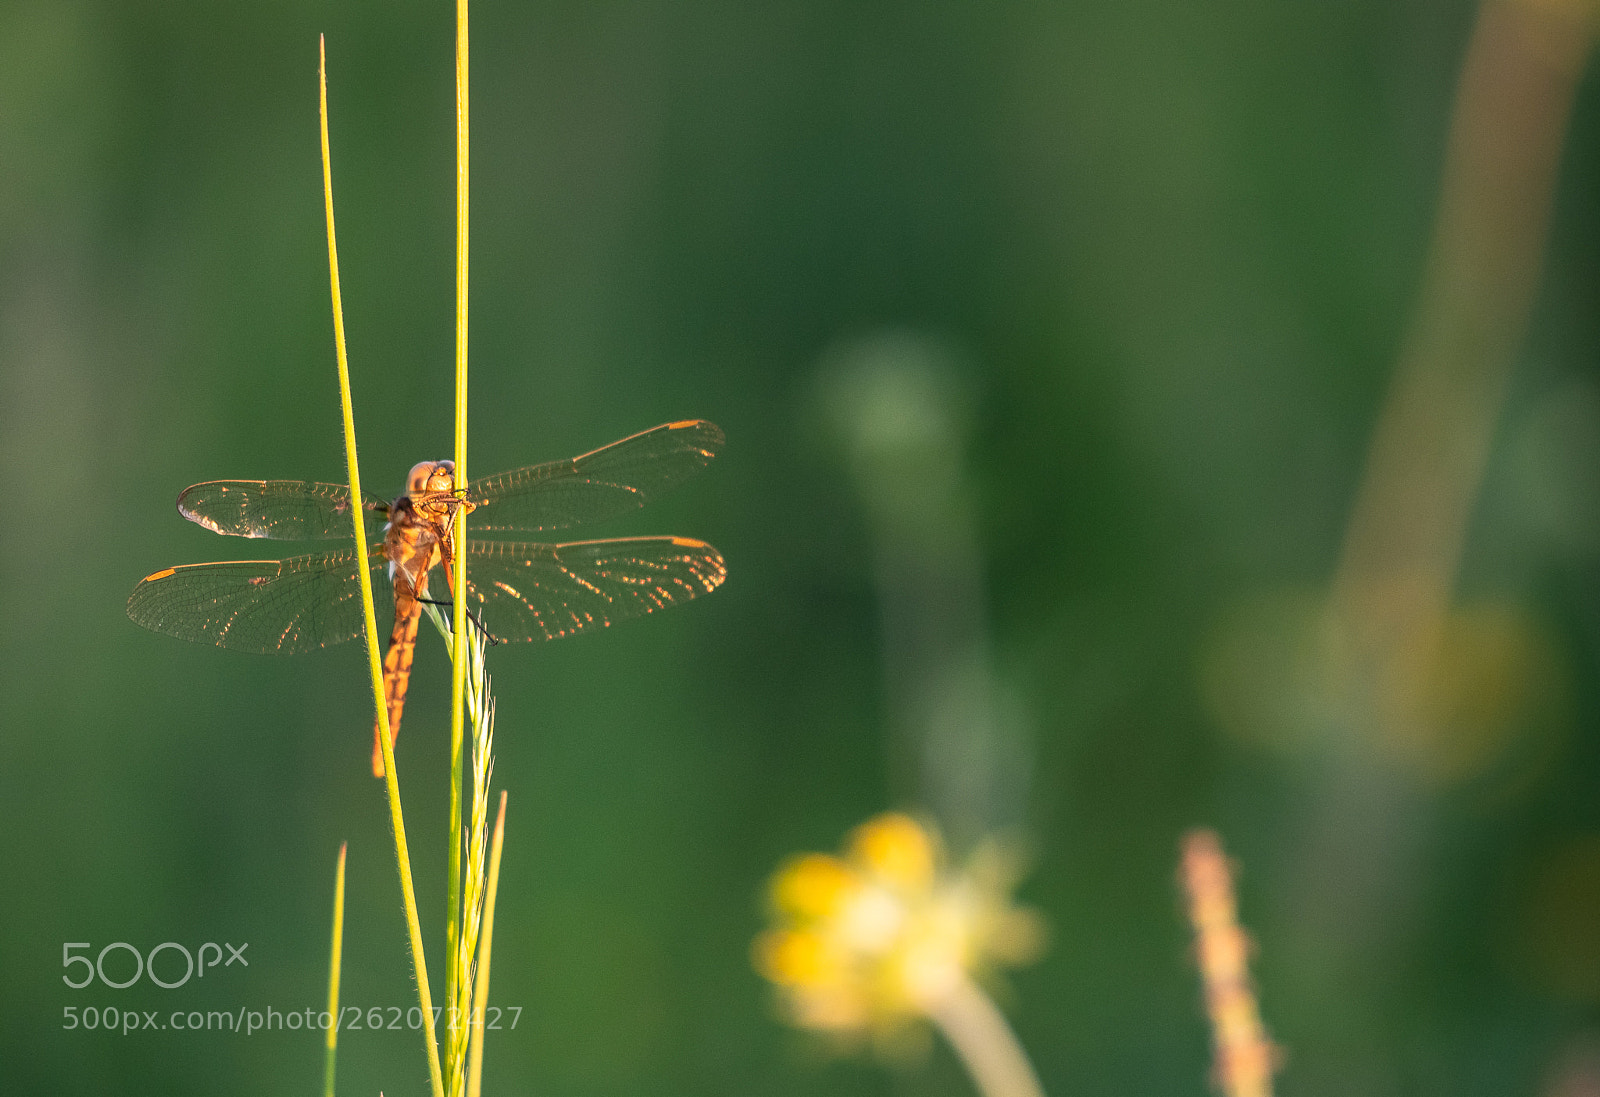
(516, 590)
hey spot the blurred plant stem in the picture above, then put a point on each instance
(896, 403)
(335, 962)
(408, 892)
(1400, 709)
(978, 1032)
(1403, 545)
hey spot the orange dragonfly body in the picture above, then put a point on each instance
(518, 590)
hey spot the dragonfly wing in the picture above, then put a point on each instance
(541, 592)
(610, 481)
(271, 606)
(284, 510)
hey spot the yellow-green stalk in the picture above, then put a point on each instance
(480, 707)
(374, 654)
(456, 912)
(985, 1044)
(480, 995)
(335, 961)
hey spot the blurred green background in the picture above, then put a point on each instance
(1152, 260)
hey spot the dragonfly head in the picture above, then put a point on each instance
(431, 476)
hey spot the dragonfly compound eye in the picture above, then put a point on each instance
(422, 476)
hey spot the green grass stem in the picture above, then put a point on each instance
(454, 976)
(480, 995)
(335, 963)
(480, 708)
(374, 654)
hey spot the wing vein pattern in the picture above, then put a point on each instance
(283, 510)
(530, 591)
(270, 606)
(603, 484)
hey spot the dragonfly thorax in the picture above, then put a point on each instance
(411, 542)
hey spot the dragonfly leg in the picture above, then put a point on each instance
(472, 615)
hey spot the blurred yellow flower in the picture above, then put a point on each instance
(873, 938)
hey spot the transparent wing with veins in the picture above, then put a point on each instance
(268, 606)
(603, 484)
(284, 510)
(529, 591)
(524, 591)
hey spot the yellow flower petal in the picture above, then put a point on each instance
(896, 849)
(832, 1009)
(813, 885)
(794, 958)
